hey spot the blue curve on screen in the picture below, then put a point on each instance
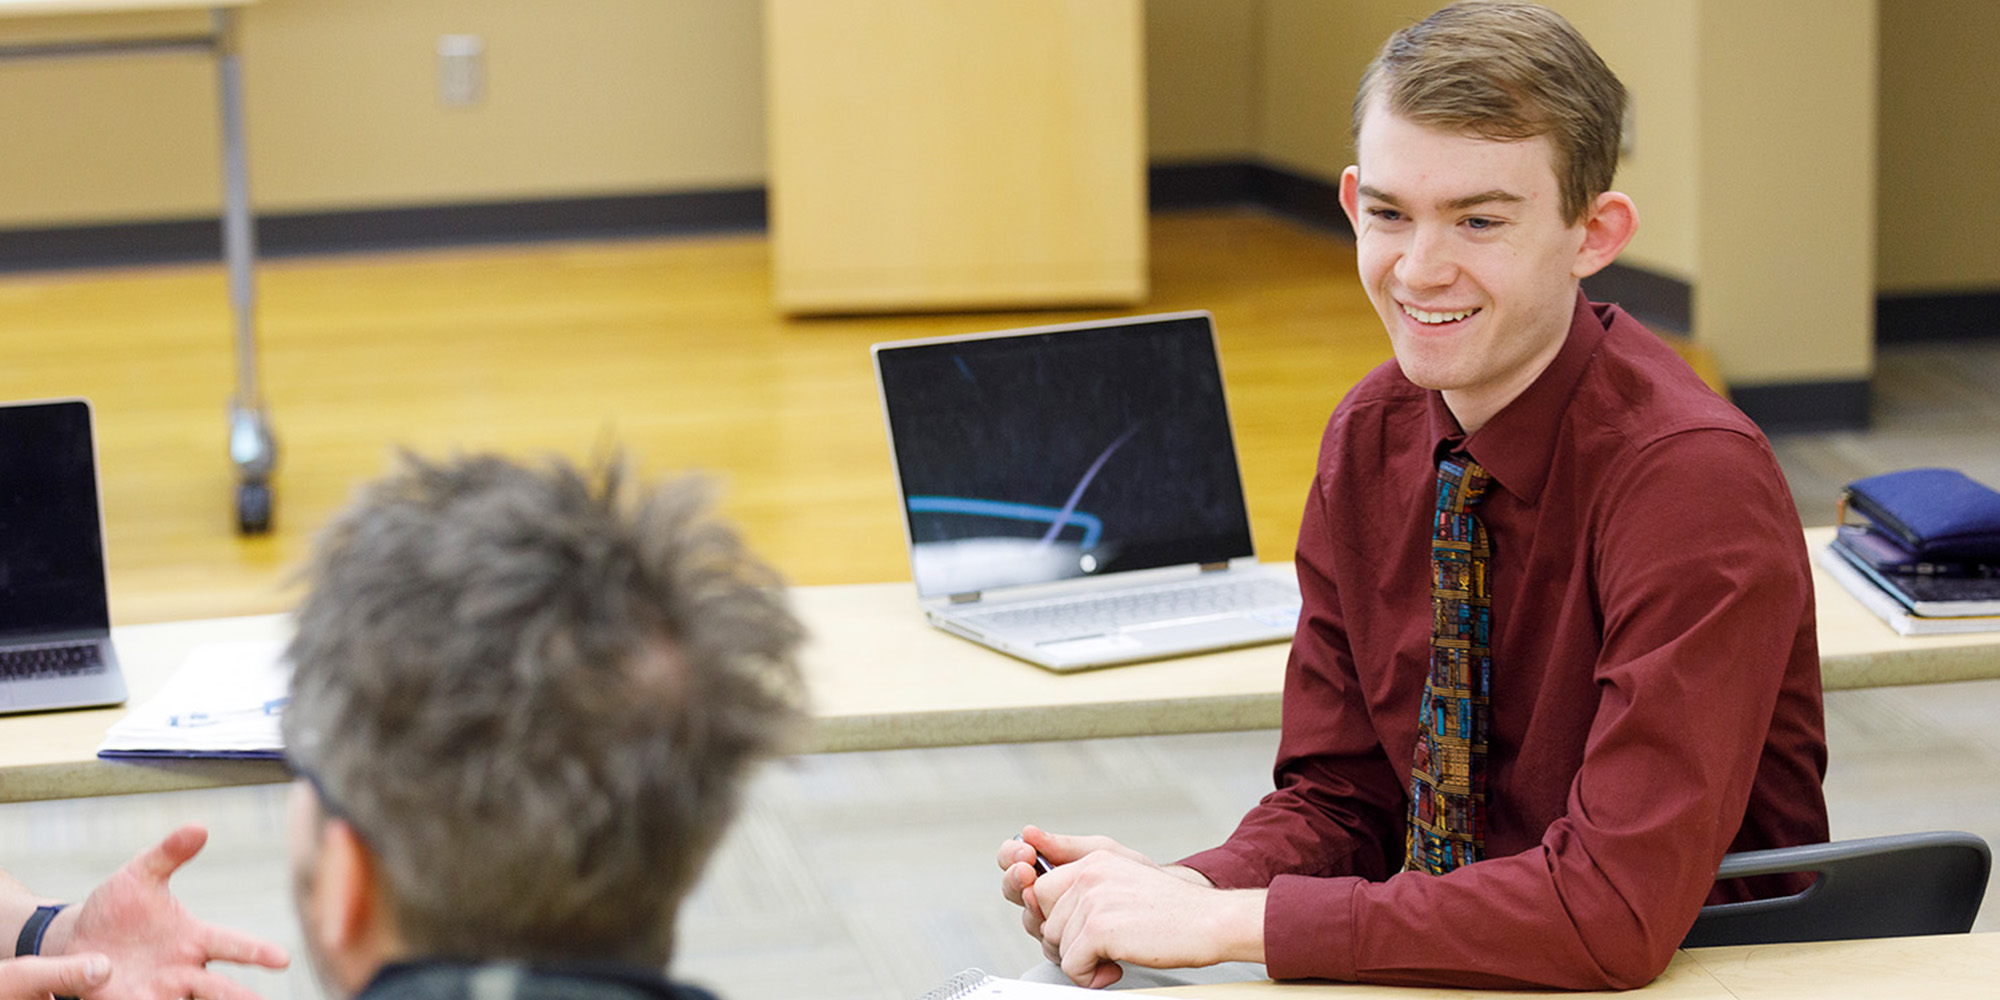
(1092, 526)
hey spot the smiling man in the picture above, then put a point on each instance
(1557, 654)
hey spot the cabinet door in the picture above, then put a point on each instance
(937, 154)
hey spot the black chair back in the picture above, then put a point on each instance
(1896, 886)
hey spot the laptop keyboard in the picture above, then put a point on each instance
(1072, 617)
(50, 661)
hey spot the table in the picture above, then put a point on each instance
(881, 678)
(1935, 968)
(1857, 649)
(252, 448)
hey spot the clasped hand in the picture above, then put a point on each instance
(1104, 903)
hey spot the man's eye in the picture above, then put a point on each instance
(1481, 223)
(1386, 214)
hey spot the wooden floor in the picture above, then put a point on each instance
(668, 349)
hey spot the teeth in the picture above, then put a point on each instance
(1435, 317)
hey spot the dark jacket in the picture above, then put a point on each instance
(446, 980)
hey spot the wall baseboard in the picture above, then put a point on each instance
(1902, 319)
(416, 227)
(1664, 303)
(1792, 407)
(1179, 186)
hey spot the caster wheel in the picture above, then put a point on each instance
(253, 508)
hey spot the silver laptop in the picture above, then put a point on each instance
(1071, 495)
(55, 624)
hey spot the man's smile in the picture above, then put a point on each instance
(1429, 318)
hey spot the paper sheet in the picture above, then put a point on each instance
(226, 700)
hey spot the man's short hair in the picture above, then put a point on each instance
(1506, 71)
(536, 702)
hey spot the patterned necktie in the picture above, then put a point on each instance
(1448, 780)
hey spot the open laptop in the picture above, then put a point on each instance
(55, 624)
(1051, 477)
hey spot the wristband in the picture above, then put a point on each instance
(30, 941)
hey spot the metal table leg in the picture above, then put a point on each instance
(252, 447)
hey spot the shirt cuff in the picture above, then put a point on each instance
(1309, 928)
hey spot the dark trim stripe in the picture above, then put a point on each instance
(1211, 185)
(1663, 303)
(282, 235)
(1902, 319)
(1181, 186)
(1805, 406)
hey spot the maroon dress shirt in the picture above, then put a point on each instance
(1655, 687)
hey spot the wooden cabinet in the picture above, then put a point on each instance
(949, 154)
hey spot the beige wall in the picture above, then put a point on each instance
(1201, 79)
(1939, 185)
(1653, 48)
(1313, 55)
(640, 96)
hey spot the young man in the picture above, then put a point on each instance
(1557, 654)
(522, 714)
(130, 939)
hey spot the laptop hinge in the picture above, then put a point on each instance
(969, 597)
(1214, 567)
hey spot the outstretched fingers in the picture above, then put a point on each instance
(211, 986)
(225, 945)
(159, 862)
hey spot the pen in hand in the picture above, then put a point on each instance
(1042, 864)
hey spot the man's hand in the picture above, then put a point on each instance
(1017, 871)
(157, 950)
(37, 977)
(1104, 903)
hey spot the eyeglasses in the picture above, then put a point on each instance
(327, 803)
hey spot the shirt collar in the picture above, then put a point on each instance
(1516, 446)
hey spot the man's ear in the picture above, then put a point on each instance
(1350, 196)
(1608, 226)
(348, 894)
(351, 916)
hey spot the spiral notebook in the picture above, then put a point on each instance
(973, 983)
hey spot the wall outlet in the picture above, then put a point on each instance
(461, 70)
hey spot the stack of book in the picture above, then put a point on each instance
(1926, 555)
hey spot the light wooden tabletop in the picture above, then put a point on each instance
(880, 677)
(1935, 968)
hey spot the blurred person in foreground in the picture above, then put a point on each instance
(523, 713)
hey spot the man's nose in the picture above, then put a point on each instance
(1428, 261)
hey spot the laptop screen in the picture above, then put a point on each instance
(51, 548)
(1037, 456)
